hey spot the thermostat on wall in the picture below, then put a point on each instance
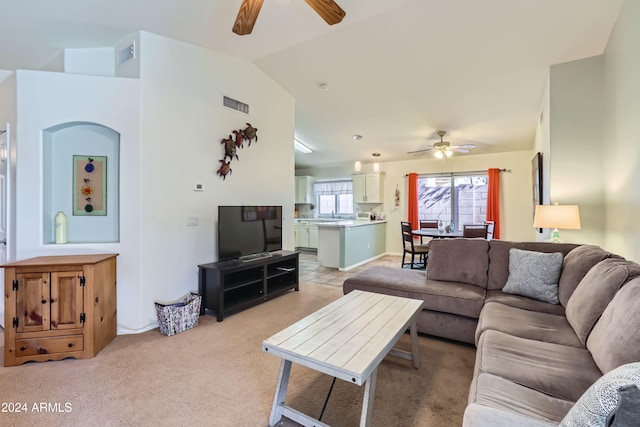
(198, 187)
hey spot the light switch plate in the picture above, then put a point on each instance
(193, 221)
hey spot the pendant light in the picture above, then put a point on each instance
(357, 166)
(376, 165)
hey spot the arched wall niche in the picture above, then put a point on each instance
(60, 144)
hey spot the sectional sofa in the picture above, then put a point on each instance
(549, 320)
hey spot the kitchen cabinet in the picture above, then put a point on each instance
(59, 307)
(306, 234)
(313, 235)
(304, 189)
(368, 188)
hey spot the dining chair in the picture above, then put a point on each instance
(427, 223)
(490, 226)
(409, 247)
(475, 230)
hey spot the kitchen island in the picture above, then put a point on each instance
(348, 244)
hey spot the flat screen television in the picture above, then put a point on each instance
(246, 232)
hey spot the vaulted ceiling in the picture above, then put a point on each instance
(397, 71)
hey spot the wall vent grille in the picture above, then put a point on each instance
(235, 105)
(126, 54)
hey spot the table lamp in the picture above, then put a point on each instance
(557, 216)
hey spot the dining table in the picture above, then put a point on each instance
(436, 234)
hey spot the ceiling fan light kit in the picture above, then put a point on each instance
(443, 149)
(250, 9)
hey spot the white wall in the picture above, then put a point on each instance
(576, 131)
(46, 99)
(182, 123)
(170, 122)
(516, 207)
(621, 150)
(8, 113)
(95, 62)
(591, 138)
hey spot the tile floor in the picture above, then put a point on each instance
(312, 272)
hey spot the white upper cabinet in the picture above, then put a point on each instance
(304, 189)
(368, 188)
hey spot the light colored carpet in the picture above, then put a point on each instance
(217, 375)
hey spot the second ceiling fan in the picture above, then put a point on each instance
(444, 148)
(249, 10)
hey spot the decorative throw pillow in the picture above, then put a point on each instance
(627, 413)
(534, 274)
(598, 403)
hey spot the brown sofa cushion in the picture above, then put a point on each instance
(499, 257)
(528, 324)
(497, 392)
(574, 267)
(557, 370)
(446, 297)
(614, 340)
(459, 260)
(524, 302)
(595, 292)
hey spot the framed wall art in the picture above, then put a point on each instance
(90, 185)
(536, 171)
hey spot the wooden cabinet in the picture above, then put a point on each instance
(368, 188)
(58, 307)
(230, 286)
(304, 189)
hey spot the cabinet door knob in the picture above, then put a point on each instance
(70, 344)
(44, 301)
(23, 348)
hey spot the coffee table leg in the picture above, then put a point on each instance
(369, 396)
(413, 330)
(281, 391)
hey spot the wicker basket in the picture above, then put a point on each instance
(178, 316)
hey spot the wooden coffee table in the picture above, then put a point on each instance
(347, 339)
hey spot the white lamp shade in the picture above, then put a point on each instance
(557, 216)
(357, 166)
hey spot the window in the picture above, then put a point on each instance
(457, 198)
(334, 197)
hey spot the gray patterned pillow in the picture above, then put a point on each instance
(534, 274)
(600, 400)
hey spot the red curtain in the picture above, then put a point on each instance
(493, 201)
(412, 200)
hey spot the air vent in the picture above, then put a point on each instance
(235, 105)
(126, 54)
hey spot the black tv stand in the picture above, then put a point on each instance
(229, 287)
(253, 257)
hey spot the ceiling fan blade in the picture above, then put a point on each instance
(328, 10)
(469, 146)
(247, 15)
(459, 150)
(426, 150)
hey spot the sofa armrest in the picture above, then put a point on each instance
(477, 415)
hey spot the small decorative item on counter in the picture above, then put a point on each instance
(60, 226)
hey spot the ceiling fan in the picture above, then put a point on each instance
(444, 148)
(249, 10)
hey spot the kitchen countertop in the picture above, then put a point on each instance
(321, 219)
(349, 223)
